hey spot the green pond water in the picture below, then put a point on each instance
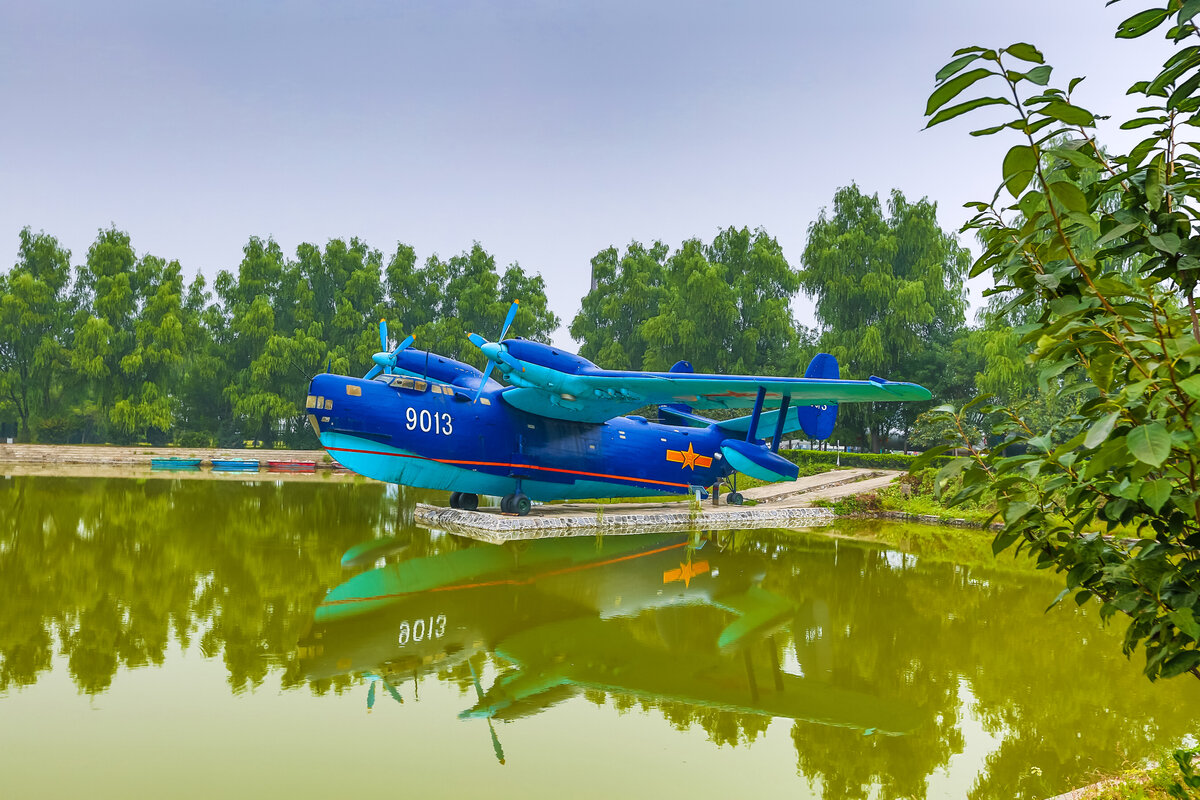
(238, 638)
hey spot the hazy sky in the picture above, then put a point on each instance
(544, 130)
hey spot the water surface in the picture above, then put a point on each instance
(196, 638)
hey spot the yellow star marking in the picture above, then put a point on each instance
(685, 572)
(689, 457)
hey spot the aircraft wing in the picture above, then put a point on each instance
(599, 395)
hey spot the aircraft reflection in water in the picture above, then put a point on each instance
(646, 616)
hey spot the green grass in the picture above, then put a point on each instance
(1154, 783)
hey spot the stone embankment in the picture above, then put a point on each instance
(787, 505)
(51, 454)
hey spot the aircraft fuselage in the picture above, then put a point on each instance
(430, 434)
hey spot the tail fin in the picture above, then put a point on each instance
(818, 421)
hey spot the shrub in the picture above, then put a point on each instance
(194, 439)
(865, 460)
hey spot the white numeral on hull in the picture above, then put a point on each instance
(429, 421)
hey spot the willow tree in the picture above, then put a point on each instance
(626, 291)
(886, 289)
(725, 306)
(33, 319)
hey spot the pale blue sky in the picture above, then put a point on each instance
(545, 130)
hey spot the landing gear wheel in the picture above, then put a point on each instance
(521, 504)
(518, 504)
(456, 499)
(734, 498)
(468, 501)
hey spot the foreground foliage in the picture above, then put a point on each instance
(1109, 289)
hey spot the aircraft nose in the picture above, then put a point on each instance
(345, 405)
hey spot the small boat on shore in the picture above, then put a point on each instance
(291, 466)
(174, 463)
(235, 465)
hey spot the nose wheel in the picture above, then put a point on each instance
(517, 503)
(464, 500)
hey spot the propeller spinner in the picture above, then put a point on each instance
(495, 352)
(386, 361)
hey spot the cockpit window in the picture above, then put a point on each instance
(411, 384)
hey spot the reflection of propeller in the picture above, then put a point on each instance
(386, 361)
(495, 351)
(390, 690)
(479, 693)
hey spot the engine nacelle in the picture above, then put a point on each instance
(757, 461)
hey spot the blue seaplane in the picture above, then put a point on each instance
(562, 428)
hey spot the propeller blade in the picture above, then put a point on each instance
(383, 335)
(512, 313)
(487, 373)
(476, 339)
(375, 370)
(405, 344)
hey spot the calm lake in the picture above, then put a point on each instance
(302, 638)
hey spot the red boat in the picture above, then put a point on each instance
(292, 466)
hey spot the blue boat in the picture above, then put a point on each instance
(174, 463)
(235, 465)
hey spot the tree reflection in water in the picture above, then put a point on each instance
(877, 656)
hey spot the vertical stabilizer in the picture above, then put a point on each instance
(680, 366)
(818, 421)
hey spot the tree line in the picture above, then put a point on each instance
(120, 348)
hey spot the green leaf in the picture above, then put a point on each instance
(1141, 23)
(1150, 444)
(1180, 663)
(1190, 9)
(1025, 52)
(1116, 232)
(955, 65)
(1079, 158)
(1191, 385)
(989, 131)
(1142, 122)
(1166, 242)
(1070, 196)
(1019, 164)
(1154, 187)
(962, 108)
(1156, 493)
(1015, 511)
(1039, 75)
(1100, 430)
(1183, 91)
(1070, 114)
(953, 87)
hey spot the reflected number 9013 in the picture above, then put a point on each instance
(420, 630)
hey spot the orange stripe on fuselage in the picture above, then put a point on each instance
(456, 462)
